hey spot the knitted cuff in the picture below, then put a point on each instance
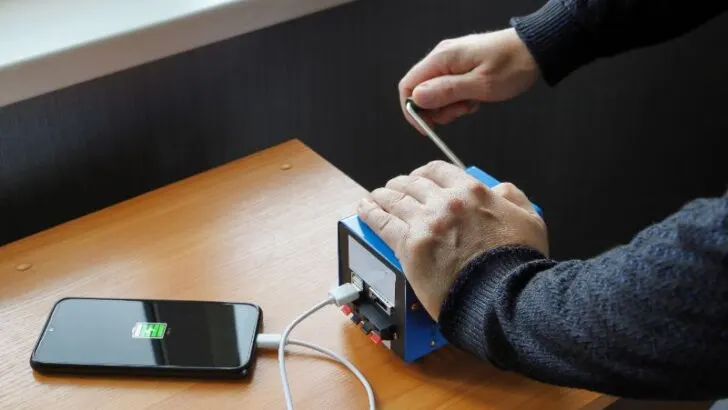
(464, 313)
(555, 39)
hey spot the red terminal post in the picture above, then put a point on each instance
(375, 338)
(346, 309)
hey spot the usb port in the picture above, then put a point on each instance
(382, 306)
(379, 301)
(356, 281)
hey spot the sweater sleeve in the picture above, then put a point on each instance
(564, 35)
(645, 320)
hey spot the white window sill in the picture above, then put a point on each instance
(46, 45)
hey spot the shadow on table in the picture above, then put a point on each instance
(134, 381)
(467, 381)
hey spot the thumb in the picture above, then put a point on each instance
(443, 91)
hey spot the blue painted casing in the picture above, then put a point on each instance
(420, 333)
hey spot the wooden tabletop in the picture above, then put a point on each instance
(261, 230)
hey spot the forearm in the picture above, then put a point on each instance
(566, 34)
(646, 320)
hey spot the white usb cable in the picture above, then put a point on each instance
(341, 295)
(271, 341)
(282, 346)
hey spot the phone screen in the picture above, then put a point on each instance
(145, 333)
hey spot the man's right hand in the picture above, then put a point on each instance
(461, 73)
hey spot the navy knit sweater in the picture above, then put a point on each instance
(648, 319)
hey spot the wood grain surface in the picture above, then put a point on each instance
(255, 230)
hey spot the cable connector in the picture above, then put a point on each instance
(268, 340)
(344, 294)
(341, 295)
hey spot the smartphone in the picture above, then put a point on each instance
(148, 338)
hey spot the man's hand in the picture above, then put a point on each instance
(439, 217)
(460, 73)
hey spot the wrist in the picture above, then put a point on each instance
(522, 56)
(479, 287)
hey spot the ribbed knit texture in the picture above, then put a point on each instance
(555, 40)
(564, 35)
(645, 320)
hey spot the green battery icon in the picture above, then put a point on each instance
(147, 330)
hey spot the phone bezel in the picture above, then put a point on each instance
(235, 372)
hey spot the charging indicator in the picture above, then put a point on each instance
(147, 330)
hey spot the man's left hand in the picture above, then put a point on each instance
(439, 217)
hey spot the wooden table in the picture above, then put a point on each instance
(261, 229)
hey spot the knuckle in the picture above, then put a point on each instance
(436, 164)
(509, 188)
(396, 181)
(443, 53)
(510, 191)
(431, 167)
(428, 169)
(417, 180)
(476, 188)
(444, 43)
(378, 192)
(397, 199)
(455, 205)
(382, 222)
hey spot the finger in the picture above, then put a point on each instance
(396, 203)
(388, 227)
(425, 115)
(421, 189)
(406, 85)
(445, 90)
(453, 111)
(513, 194)
(444, 174)
(443, 60)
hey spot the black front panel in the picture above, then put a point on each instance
(363, 310)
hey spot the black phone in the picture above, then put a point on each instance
(148, 337)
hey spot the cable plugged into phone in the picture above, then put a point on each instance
(339, 296)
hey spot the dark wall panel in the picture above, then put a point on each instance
(618, 145)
